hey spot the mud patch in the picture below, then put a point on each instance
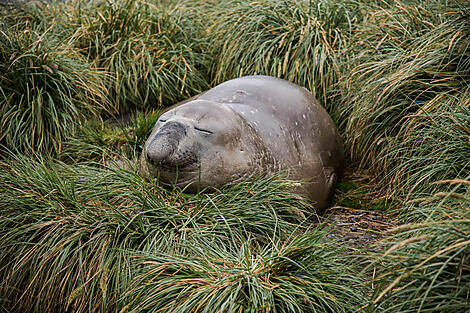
(357, 228)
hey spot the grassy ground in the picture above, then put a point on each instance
(79, 235)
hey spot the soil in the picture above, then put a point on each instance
(357, 228)
(359, 217)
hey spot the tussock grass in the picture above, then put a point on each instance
(46, 87)
(114, 139)
(84, 237)
(296, 40)
(412, 71)
(434, 146)
(428, 269)
(151, 50)
(21, 14)
(302, 274)
(406, 118)
(69, 235)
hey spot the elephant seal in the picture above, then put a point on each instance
(246, 126)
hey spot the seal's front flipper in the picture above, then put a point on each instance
(331, 178)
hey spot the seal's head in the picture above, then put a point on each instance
(202, 144)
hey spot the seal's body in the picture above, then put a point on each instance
(243, 127)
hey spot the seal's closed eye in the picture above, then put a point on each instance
(203, 130)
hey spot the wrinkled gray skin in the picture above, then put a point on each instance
(243, 127)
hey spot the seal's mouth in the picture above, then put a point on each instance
(186, 179)
(176, 175)
(186, 169)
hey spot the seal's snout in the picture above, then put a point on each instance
(161, 148)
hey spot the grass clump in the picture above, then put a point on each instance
(406, 118)
(428, 264)
(114, 139)
(150, 49)
(301, 274)
(21, 14)
(435, 146)
(70, 237)
(412, 71)
(46, 88)
(299, 41)
(359, 194)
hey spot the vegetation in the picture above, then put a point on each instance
(432, 273)
(114, 139)
(296, 40)
(154, 52)
(408, 95)
(47, 87)
(84, 238)
(78, 234)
